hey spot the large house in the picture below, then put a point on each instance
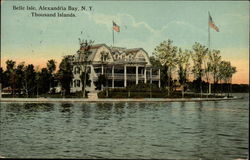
(122, 66)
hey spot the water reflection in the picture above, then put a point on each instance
(66, 107)
(86, 110)
(29, 107)
(183, 130)
(119, 108)
(103, 111)
(66, 110)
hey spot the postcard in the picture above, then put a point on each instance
(124, 79)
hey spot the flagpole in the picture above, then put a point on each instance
(209, 87)
(113, 35)
(208, 32)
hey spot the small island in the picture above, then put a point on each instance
(101, 71)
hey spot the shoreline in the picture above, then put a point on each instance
(70, 100)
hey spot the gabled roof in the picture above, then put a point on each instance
(113, 50)
(120, 50)
(133, 50)
(93, 50)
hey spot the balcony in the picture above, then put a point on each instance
(120, 76)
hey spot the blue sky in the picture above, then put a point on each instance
(143, 24)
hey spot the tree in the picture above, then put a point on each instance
(213, 66)
(51, 67)
(42, 80)
(19, 77)
(226, 73)
(198, 57)
(183, 67)
(101, 81)
(84, 51)
(30, 76)
(10, 74)
(87, 79)
(231, 71)
(65, 74)
(155, 62)
(166, 54)
(3, 78)
(1, 75)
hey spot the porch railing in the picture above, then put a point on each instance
(130, 76)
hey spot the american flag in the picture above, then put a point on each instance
(211, 24)
(116, 27)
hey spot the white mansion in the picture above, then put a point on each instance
(123, 67)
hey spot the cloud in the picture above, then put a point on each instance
(129, 20)
(147, 36)
(120, 19)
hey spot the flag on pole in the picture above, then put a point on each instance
(116, 27)
(211, 24)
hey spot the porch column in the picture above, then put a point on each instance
(92, 71)
(136, 75)
(145, 75)
(150, 75)
(113, 76)
(125, 76)
(159, 73)
(102, 69)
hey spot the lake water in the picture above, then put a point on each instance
(169, 130)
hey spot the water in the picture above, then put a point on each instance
(169, 130)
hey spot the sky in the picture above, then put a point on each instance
(143, 24)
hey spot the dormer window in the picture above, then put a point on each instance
(141, 58)
(77, 70)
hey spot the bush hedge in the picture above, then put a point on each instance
(147, 91)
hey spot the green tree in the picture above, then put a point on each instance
(30, 77)
(226, 72)
(19, 77)
(43, 79)
(101, 81)
(4, 78)
(198, 58)
(65, 74)
(213, 66)
(84, 52)
(166, 53)
(87, 79)
(183, 67)
(11, 75)
(1, 76)
(51, 67)
(155, 62)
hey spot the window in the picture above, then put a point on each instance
(89, 70)
(78, 70)
(74, 83)
(141, 58)
(75, 70)
(78, 83)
